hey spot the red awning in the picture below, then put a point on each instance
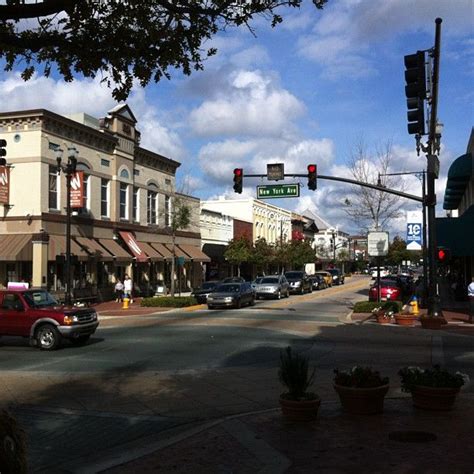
(134, 246)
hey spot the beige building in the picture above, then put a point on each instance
(124, 225)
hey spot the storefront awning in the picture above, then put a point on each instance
(57, 246)
(196, 254)
(16, 247)
(119, 253)
(153, 255)
(93, 248)
(134, 246)
(215, 251)
(167, 255)
(455, 233)
(459, 175)
(178, 252)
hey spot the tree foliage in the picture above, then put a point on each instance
(397, 252)
(263, 254)
(238, 251)
(122, 40)
(367, 207)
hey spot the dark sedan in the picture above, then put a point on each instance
(318, 282)
(202, 293)
(337, 276)
(231, 295)
(299, 282)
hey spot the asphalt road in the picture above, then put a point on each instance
(141, 376)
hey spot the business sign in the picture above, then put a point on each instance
(275, 191)
(134, 246)
(377, 244)
(77, 190)
(4, 185)
(275, 171)
(414, 230)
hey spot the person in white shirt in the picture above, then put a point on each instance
(470, 294)
(127, 288)
(119, 291)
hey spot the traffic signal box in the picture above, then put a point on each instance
(3, 152)
(312, 177)
(415, 91)
(238, 180)
(443, 255)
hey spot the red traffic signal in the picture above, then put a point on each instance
(238, 180)
(443, 255)
(312, 177)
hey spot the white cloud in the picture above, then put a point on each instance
(252, 104)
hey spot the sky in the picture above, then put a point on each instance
(304, 92)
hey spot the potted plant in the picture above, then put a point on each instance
(382, 315)
(361, 390)
(431, 322)
(432, 389)
(297, 404)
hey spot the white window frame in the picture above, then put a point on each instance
(126, 209)
(107, 197)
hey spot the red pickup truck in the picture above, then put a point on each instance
(34, 313)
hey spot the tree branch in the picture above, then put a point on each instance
(34, 10)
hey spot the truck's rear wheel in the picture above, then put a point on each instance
(48, 337)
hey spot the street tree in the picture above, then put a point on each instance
(122, 41)
(397, 252)
(179, 219)
(368, 208)
(238, 251)
(294, 254)
(263, 255)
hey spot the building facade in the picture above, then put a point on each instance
(128, 200)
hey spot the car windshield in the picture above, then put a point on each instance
(269, 280)
(208, 286)
(258, 280)
(228, 288)
(294, 275)
(39, 299)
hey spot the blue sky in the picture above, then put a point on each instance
(303, 92)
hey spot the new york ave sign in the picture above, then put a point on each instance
(276, 191)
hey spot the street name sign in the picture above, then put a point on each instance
(377, 244)
(275, 191)
(275, 171)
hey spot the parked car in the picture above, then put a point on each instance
(327, 277)
(337, 276)
(299, 282)
(35, 314)
(389, 290)
(256, 282)
(233, 280)
(234, 295)
(202, 293)
(318, 282)
(274, 286)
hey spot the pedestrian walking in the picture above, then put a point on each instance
(470, 295)
(119, 291)
(128, 288)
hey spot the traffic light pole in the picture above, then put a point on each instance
(434, 307)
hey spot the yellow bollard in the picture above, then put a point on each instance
(125, 303)
(414, 306)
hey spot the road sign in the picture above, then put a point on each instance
(414, 230)
(275, 191)
(377, 244)
(275, 171)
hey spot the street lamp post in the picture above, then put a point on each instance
(68, 170)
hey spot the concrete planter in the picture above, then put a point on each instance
(300, 410)
(362, 401)
(434, 398)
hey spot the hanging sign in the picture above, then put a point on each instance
(77, 190)
(4, 185)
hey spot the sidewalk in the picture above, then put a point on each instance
(336, 443)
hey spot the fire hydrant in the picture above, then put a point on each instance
(125, 303)
(414, 306)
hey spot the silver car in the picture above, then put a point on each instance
(274, 286)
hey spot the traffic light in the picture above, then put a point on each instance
(443, 255)
(3, 152)
(312, 177)
(238, 180)
(415, 91)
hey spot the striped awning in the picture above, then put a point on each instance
(16, 247)
(93, 248)
(57, 246)
(196, 254)
(167, 255)
(178, 252)
(152, 253)
(118, 252)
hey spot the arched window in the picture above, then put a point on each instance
(152, 204)
(124, 173)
